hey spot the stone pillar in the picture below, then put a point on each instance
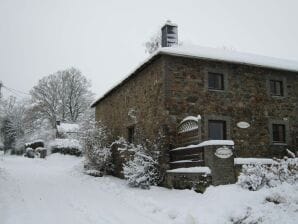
(220, 159)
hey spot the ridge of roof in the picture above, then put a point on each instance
(232, 56)
(216, 54)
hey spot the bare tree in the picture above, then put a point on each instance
(153, 44)
(64, 95)
(75, 95)
(45, 97)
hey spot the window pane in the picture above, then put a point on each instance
(217, 130)
(279, 134)
(131, 133)
(276, 88)
(215, 81)
(279, 89)
(272, 87)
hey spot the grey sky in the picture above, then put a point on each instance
(105, 38)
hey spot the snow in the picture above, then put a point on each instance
(170, 23)
(206, 143)
(65, 143)
(242, 161)
(191, 118)
(32, 142)
(217, 54)
(290, 153)
(231, 56)
(216, 142)
(186, 161)
(56, 190)
(67, 127)
(196, 169)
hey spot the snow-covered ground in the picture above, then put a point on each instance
(55, 191)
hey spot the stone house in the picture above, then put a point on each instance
(250, 99)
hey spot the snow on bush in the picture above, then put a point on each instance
(94, 173)
(94, 141)
(276, 198)
(66, 146)
(29, 153)
(66, 143)
(34, 144)
(141, 171)
(256, 176)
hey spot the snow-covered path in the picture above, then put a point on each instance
(38, 191)
(54, 191)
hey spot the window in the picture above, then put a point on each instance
(278, 133)
(276, 88)
(215, 81)
(217, 130)
(131, 134)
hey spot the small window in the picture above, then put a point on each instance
(276, 88)
(215, 81)
(131, 134)
(279, 133)
(217, 130)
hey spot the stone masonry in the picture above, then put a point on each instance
(167, 88)
(245, 98)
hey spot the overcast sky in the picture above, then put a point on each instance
(105, 39)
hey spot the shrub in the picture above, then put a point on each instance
(66, 146)
(141, 171)
(94, 173)
(29, 153)
(34, 144)
(95, 148)
(254, 177)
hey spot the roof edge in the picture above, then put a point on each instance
(129, 76)
(168, 51)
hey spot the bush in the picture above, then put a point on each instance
(141, 171)
(42, 152)
(29, 153)
(254, 177)
(66, 146)
(94, 173)
(93, 138)
(34, 144)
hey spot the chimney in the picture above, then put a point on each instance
(169, 34)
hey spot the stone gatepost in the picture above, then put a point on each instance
(220, 159)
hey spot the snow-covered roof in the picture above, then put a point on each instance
(216, 54)
(67, 128)
(231, 56)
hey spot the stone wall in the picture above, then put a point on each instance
(169, 88)
(245, 98)
(222, 169)
(139, 102)
(197, 181)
